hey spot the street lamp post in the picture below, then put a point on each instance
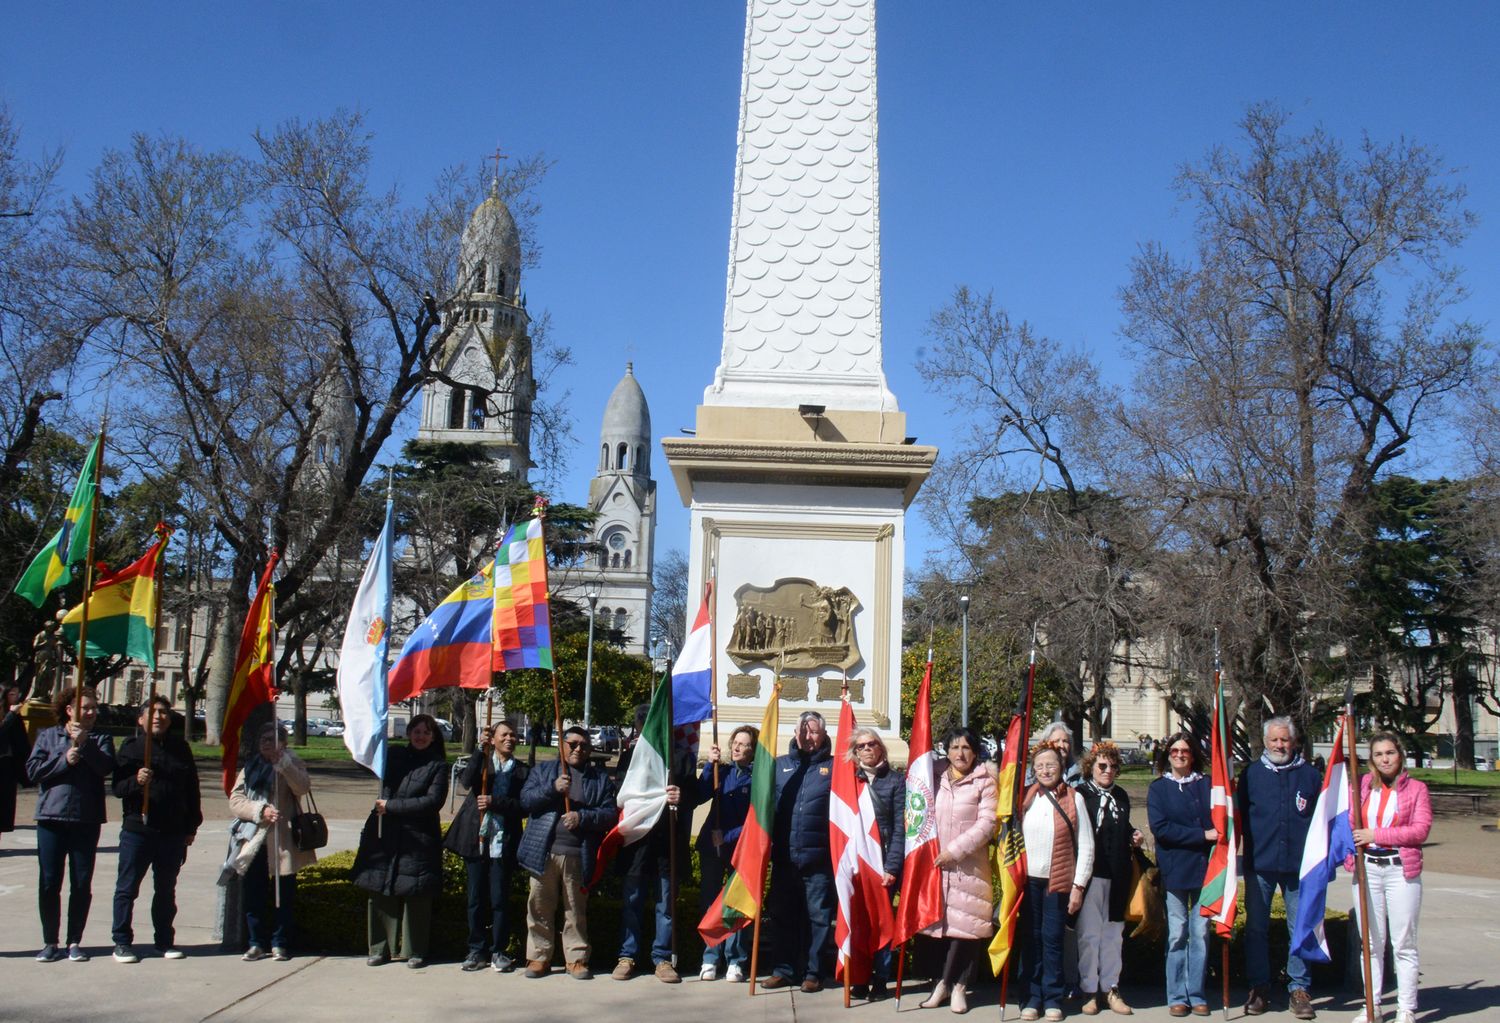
(963, 606)
(588, 664)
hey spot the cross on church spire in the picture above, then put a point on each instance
(497, 157)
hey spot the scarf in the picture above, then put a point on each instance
(1183, 782)
(1109, 814)
(260, 778)
(1064, 837)
(1296, 761)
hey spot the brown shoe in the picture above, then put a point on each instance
(1200, 1010)
(1118, 1004)
(666, 974)
(811, 986)
(1301, 1005)
(775, 981)
(1255, 1003)
(580, 971)
(536, 968)
(1179, 1009)
(623, 969)
(1090, 1006)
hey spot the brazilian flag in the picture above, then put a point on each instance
(52, 567)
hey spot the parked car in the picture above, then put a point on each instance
(606, 738)
(335, 729)
(445, 726)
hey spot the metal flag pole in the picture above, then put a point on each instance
(384, 651)
(1356, 821)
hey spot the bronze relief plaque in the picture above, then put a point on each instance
(794, 624)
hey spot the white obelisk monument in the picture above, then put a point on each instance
(800, 471)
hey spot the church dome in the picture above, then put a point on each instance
(625, 438)
(491, 237)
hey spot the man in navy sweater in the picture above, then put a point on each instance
(1276, 795)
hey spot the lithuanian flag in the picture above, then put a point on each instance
(740, 901)
(254, 672)
(51, 567)
(122, 609)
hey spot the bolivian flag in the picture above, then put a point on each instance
(51, 567)
(122, 609)
(740, 901)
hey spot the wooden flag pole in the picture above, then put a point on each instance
(1224, 753)
(713, 678)
(79, 665)
(849, 961)
(151, 686)
(761, 908)
(1356, 820)
(671, 831)
(1016, 800)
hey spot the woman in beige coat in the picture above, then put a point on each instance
(266, 793)
(965, 819)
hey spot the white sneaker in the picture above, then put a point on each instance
(1360, 1017)
(708, 972)
(735, 974)
(1406, 1017)
(173, 953)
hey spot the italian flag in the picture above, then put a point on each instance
(123, 609)
(740, 901)
(1221, 883)
(643, 793)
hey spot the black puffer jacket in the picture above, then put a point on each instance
(406, 857)
(504, 787)
(176, 806)
(888, 793)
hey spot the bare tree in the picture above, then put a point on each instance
(669, 598)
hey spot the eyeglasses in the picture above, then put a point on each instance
(1105, 765)
(1179, 751)
(576, 744)
(867, 745)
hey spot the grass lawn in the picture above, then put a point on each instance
(331, 747)
(1442, 778)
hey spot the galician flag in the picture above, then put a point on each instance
(362, 659)
(1221, 884)
(643, 792)
(740, 901)
(921, 882)
(692, 675)
(51, 567)
(1330, 838)
(864, 923)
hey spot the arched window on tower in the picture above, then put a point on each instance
(322, 451)
(480, 276)
(456, 402)
(621, 454)
(476, 411)
(500, 281)
(622, 619)
(640, 458)
(614, 561)
(627, 559)
(603, 456)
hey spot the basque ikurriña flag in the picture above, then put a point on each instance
(691, 675)
(1330, 838)
(921, 881)
(1221, 884)
(864, 922)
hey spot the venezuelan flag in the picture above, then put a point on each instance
(452, 645)
(523, 622)
(740, 901)
(122, 610)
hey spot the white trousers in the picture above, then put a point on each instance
(1098, 940)
(1395, 904)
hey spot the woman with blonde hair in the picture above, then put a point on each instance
(1397, 818)
(888, 793)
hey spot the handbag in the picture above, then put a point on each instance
(1146, 909)
(309, 829)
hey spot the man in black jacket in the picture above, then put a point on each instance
(162, 811)
(802, 900)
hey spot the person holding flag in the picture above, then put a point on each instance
(1397, 819)
(1275, 798)
(965, 820)
(1181, 818)
(863, 923)
(717, 840)
(887, 788)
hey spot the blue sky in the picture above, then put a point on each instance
(1026, 148)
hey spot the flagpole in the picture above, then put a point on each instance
(713, 677)
(849, 959)
(1223, 752)
(671, 828)
(280, 750)
(88, 583)
(540, 508)
(761, 902)
(1356, 821)
(383, 651)
(151, 686)
(1020, 782)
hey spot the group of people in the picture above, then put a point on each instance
(549, 820)
(1275, 798)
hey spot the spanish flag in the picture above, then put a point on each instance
(254, 671)
(1009, 852)
(740, 901)
(51, 567)
(123, 609)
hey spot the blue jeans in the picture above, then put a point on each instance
(59, 842)
(802, 908)
(1259, 890)
(163, 856)
(735, 948)
(633, 911)
(1044, 917)
(1187, 948)
(260, 898)
(489, 898)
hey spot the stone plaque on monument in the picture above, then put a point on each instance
(794, 623)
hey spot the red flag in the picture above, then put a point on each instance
(921, 882)
(254, 671)
(864, 915)
(1221, 885)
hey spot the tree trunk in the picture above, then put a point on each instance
(220, 678)
(1463, 715)
(299, 700)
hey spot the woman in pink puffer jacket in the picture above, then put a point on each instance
(965, 823)
(1397, 818)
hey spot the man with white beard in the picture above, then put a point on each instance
(1276, 795)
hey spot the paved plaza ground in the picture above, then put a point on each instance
(1460, 953)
